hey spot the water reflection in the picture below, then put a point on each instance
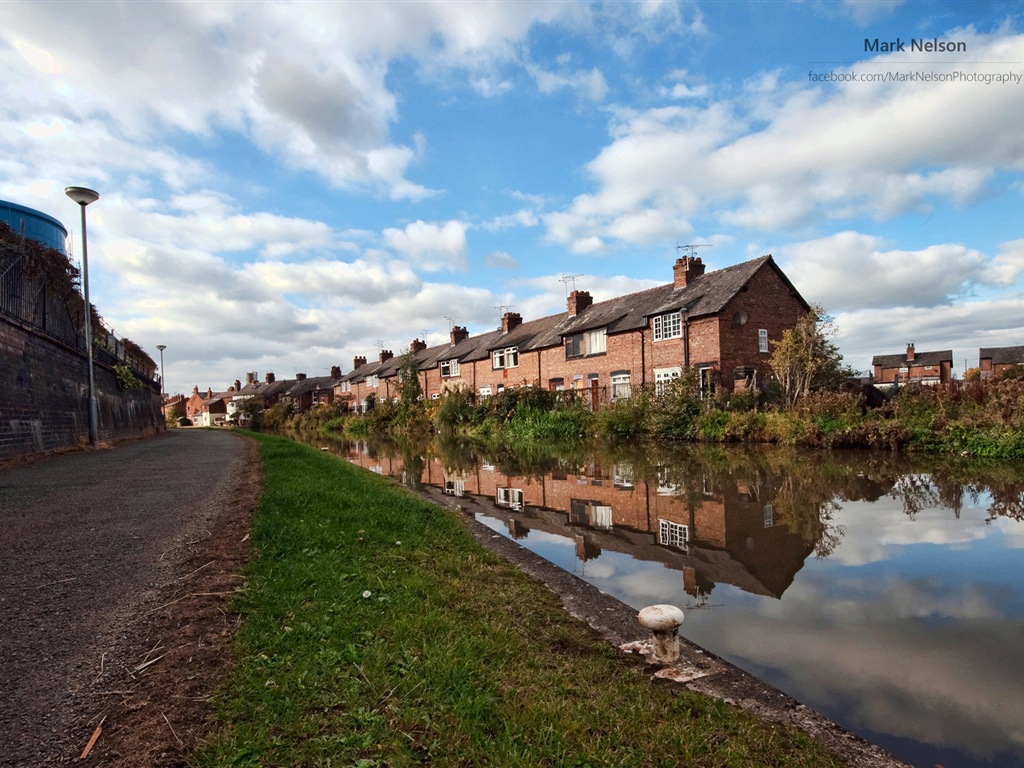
(882, 590)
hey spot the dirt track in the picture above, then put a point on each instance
(110, 559)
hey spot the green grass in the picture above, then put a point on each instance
(376, 632)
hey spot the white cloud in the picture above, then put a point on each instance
(431, 246)
(816, 153)
(500, 260)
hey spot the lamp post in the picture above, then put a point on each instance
(83, 197)
(163, 388)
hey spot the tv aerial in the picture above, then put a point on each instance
(690, 250)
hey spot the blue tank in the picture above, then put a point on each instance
(34, 224)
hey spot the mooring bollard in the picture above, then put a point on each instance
(663, 621)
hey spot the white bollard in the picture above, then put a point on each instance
(663, 621)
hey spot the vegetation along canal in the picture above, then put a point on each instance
(882, 590)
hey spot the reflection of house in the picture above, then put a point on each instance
(720, 325)
(724, 535)
(994, 361)
(916, 367)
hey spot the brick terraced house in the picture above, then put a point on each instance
(721, 324)
(915, 367)
(993, 361)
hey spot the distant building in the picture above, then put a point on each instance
(914, 367)
(993, 361)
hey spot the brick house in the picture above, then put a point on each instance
(993, 361)
(915, 367)
(721, 324)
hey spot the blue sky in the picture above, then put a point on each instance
(286, 186)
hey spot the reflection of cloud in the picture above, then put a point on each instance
(882, 654)
(878, 531)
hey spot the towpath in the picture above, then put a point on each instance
(91, 542)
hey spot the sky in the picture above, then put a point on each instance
(285, 186)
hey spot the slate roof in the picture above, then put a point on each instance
(1002, 355)
(920, 358)
(706, 295)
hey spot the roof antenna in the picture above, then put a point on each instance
(689, 251)
(569, 279)
(501, 309)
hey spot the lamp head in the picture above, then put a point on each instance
(161, 347)
(82, 195)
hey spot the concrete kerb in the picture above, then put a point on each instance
(697, 669)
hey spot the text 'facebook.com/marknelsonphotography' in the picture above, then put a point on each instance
(918, 76)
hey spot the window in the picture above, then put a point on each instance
(669, 326)
(769, 516)
(346, 386)
(455, 487)
(574, 346)
(620, 386)
(485, 391)
(449, 368)
(505, 358)
(597, 342)
(672, 534)
(762, 340)
(509, 497)
(665, 376)
(372, 381)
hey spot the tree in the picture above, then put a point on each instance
(249, 412)
(806, 358)
(409, 390)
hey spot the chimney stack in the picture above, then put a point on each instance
(250, 378)
(209, 392)
(459, 334)
(238, 385)
(510, 321)
(335, 371)
(910, 352)
(270, 377)
(417, 346)
(578, 301)
(195, 391)
(358, 362)
(685, 271)
(300, 377)
(385, 355)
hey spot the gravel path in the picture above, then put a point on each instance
(89, 542)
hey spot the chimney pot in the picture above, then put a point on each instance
(510, 321)
(685, 271)
(579, 301)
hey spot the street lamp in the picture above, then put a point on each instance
(83, 197)
(163, 389)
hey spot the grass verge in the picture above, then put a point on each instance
(376, 632)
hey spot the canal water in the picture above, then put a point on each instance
(884, 591)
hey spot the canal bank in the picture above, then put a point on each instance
(697, 669)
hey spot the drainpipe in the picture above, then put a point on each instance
(686, 339)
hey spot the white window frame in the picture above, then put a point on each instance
(667, 326)
(762, 339)
(672, 534)
(509, 497)
(449, 368)
(485, 391)
(505, 358)
(597, 341)
(372, 381)
(769, 516)
(346, 386)
(621, 386)
(665, 376)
